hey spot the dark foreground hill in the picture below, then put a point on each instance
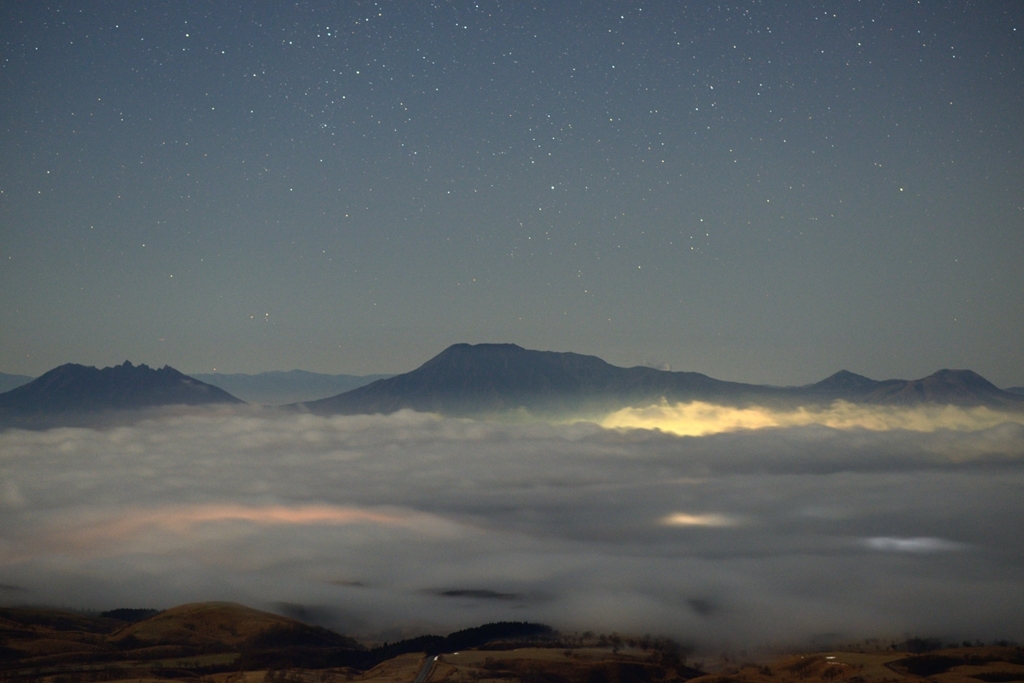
(73, 391)
(228, 643)
(469, 379)
(208, 638)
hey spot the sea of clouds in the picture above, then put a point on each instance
(780, 530)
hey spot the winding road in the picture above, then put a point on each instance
(428, 666)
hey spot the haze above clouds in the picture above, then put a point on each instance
(773, 535)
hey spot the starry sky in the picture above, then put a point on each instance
(763, 192)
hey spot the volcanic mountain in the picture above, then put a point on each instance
(945, 387)
(469, 379)
(73, 389)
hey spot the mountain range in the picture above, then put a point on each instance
(473, 380)
(469, 379)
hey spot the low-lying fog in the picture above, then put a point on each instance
(401, 524)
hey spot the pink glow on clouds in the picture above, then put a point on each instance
(92, 533)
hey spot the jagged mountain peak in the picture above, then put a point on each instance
(74, 388)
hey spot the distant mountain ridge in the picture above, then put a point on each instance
(78, 389)
(949, 387)
(469, 379)
(8, 381)
(481, 379)
(278, 387)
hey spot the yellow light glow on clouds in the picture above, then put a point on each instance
(700, 419)
(710, 520)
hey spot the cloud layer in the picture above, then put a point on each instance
(699, 418)
(397, 524)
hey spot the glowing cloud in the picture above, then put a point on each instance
(709, 520)
(183, 519)
(369, 520)
(180, 518)
(700, 419)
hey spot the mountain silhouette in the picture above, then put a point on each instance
(955, 387)
(481, 379)
(848, 384)
(467, 379)
(946, 387)
(73, 389)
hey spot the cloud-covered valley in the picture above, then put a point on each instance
(387, 525)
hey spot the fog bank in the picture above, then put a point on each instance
(778, 534)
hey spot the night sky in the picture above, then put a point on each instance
(763, 192)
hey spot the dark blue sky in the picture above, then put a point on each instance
(759, 191)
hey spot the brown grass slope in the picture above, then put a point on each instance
(205, 624)
(202, 641)
(38, 641)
